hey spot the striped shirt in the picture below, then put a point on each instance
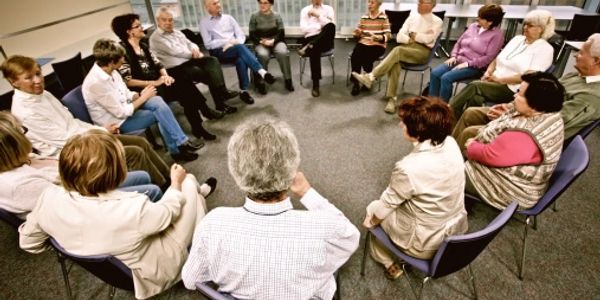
(380, 25)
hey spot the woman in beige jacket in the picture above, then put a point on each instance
(87, 216)
(424, 202)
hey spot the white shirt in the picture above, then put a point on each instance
(20, 188)
(518, 57)
(312, 26)
(427, 28)
(50, 124)
(107, 97)
(171, 48)
(271, 251)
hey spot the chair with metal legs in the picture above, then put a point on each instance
(423, 67)
(328, 54)
(349, 66)
(455, 252)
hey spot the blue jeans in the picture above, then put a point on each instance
(443, 76)
(139, 181)
(243, 59)
(156, 110)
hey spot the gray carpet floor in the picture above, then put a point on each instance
(349, 146)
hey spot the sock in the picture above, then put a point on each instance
(262, 73)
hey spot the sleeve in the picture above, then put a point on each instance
(541, 57)
(328, 16)
(579, 112)
(31, 236)
(501, 152)
(26, 192)
(457, 45)
(398, 191)
(157, 62)
(238, 33)
(494, 46)
(280, 37)
(254, 39)
(305, 27)
(109, 99)
(196, 266)
(159, 45)
(154, 217)
(402, 36)
(429, 38)
(207, 38)
(125, 71)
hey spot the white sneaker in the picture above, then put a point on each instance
(390, 108)
(365, 79)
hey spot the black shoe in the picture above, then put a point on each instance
(230, 94)
(185, 156)
(315, 92)
(269, 78)
(260, 86)
(288, 85)
(191, 146)
(246, 97)
(203, 133)
(228, 109)
(212, 182)
(355, 89)
(212, 114)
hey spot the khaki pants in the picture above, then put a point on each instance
(140, 156)
(468, 125)
(477, 93)
(413, 53)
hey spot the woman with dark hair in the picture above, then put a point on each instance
(87, 216)
(268, 35)
(472, 53)
(142, 68)
(372, 32)
(423, 203)
(513, 156)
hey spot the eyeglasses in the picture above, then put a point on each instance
(529, 24)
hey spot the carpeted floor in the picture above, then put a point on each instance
(349, 146)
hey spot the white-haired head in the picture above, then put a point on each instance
(543, 18)
(594, 41)
(263, 157)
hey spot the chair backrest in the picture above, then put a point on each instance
(70, 73)
(456, 252)
(193, 36)
(10, 218)
(397, 19)
(74, 101)
(573, 161)
(582, 26)
(440, 14)
(585, 131)
(205, 289)
(556, 41)
(106, 267)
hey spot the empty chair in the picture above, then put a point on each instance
(397, 19)
(454, 253)
(582, 26)
(10, 218)
(106, 267)
(328, 54)
(441, 14)
(70, 73)
(421, 68)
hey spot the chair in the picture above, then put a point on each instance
(106, 267)
(70, 73)
(328, 54)
(421, 68)
(212, 294)
(397, 19)
(349, 66)
(10, 218)
(75, 102)
(585, 131)
(454, 253)
(441, 15)
(573, 161)
(582, 26)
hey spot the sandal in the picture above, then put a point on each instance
(393, 272)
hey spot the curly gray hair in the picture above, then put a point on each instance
(543, 18)
(263, 156)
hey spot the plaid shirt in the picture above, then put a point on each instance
(271, 251)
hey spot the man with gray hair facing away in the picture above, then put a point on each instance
(266, 249)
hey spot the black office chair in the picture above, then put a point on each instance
(441, 14)
(397, 19)
(582, 26)
(69, 73)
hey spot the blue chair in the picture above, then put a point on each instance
(421, 68)
(106, 267)
(209, 292)
(455, 253)
(573, 161)
(10, 218)
(585, 131)
(328, 54)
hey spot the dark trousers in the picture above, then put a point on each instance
(187, 94)
(363, 57)
(206, 70)
(321, 42)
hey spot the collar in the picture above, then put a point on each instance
(110, 195)
(27, 96)
(216, 17)
(426, 146)
(592, 78)
(268, 209)
(100, 73)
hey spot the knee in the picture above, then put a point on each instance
(329, 27)
(133, 153)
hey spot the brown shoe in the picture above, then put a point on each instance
(393, 272)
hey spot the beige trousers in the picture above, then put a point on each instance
(412, 53)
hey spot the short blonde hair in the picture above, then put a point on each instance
(14, 146)
(92, 162)
(107, 51)
(16, 65)
(543, 18)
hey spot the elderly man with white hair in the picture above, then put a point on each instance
(529, 52)
(266, 249)
(581, 106)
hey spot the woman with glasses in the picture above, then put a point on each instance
(472, 53)
(372, 32)
(524, 53)
(267, 34)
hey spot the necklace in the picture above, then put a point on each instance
(518, 50)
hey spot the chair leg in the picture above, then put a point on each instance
(302, 62)
(348, 72)
(61, 260)
(421, 85)
(364, 259)
(521, 270)
(554, 208)
(332, 62)
(472, 279)
(111, 292)
(412, 288)
(404, 80)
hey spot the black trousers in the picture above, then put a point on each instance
(321, 42)
(363, 57)
(187, 94)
